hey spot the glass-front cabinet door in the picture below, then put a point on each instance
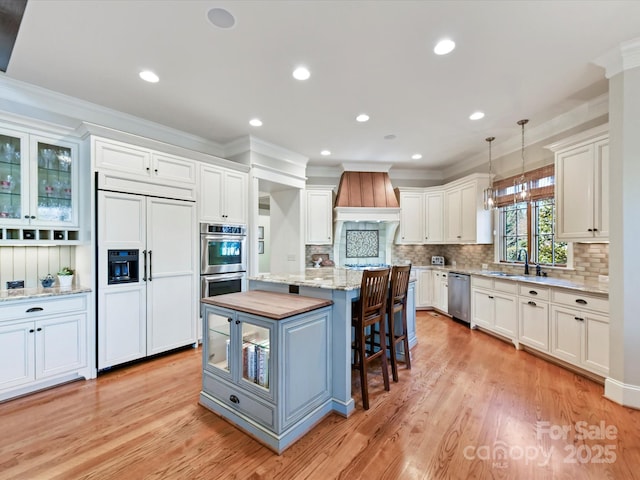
(256, 357)
(54, 186)
(38, 181)
(218, 352)
(13, 172)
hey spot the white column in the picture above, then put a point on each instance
(623, 71)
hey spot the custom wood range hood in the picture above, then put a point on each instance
(366, 197)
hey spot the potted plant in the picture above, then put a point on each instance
(65, 276)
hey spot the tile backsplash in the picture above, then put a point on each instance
(590, 260)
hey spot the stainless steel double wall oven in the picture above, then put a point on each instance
(223, 259)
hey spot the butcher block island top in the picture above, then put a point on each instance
(272, 305)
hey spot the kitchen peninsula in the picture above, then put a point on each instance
(341, 286)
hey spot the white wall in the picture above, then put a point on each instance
(264, 259)
(287, 243)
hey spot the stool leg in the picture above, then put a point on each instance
(385, 365)
(407, 352)
(363, 368)
(392, 344)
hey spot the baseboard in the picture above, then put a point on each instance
(625, 394)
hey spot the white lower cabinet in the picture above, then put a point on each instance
(494, 308)
(441, 290)
(580, 336)
(424, 286)
(42, 343)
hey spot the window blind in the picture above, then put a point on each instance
(540, 183)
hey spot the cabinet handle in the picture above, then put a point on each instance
(589, 229)
(150, 266)
(533, 304)
(39, 329)
(144, 278)
(595, 229)
(459, 236)
(35, 309)
(27, 217)
(31, 331)
(237, 322)
(234, 399)
(581, 301)
(533, 292)
(32, 217)
(490, 297)
(578, 318)
(229, 320)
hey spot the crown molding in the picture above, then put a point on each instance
(579, 115)
(623, 57)
(255, 144)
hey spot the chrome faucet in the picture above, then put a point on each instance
(526, 260)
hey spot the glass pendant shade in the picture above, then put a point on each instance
(521, 185)
(489, 194)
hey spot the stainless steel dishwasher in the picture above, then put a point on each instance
(459, 296)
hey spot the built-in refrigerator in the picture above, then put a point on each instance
(149, 304)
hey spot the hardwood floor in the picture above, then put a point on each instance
(471, 407)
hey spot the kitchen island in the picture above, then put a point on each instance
(342, 287)
(267, 363)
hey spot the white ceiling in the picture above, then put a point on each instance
(514, 59)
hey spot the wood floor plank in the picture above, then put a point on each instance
(468, 398)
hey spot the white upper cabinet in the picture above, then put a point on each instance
(582, 186)
(223, 195)
(39, 177)
(319, 218)
(133, 169)
(411, 217)
(434, 216)
(466, 221)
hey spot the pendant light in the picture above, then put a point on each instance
(520, 185)
(489, 193)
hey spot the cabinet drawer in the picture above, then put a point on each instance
(533, 291)
(581, 301)
(506, 286)
(247, 405)
(45, 306)
(482, 282)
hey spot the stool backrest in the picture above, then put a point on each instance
(373, 294)
(399, 285)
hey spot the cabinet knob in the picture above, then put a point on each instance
(490, 297)
(148, 169)
(31, 330)
(237, 322)
(26, 216)
(155, 170)
(33, 217)
(234, 399)
(595, 229)
(229, 320)
(459, 236)
(39, 329)
(589, 229)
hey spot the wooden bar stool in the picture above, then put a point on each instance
(398, 303)
(368, 314)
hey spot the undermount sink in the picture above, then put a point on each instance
(502, 274)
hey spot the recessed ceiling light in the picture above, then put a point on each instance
(363, 117)
(416, 156)
(149, 76)
(255, 122)
(221, 18)
(444, 46)
(301, 73)
(391, 136)
(325, 152)
(476, 116)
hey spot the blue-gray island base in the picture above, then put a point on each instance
(342, 287)
(267, 363)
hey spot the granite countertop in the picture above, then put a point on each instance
(39, 292)
(332, 278)
(599, 288)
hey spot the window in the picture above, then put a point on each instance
(528, 228)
